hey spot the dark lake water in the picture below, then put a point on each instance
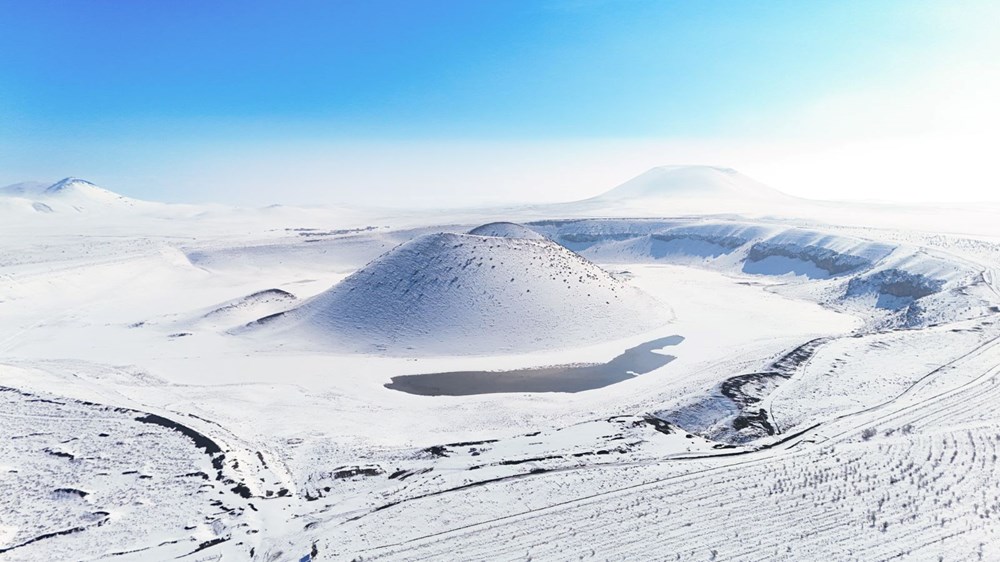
(631, 363)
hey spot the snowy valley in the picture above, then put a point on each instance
(686, 367)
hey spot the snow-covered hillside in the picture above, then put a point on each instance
(452, 294)
(895, 284)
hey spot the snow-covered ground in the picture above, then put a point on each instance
(690, 367)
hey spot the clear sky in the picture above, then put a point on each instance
(422, 102)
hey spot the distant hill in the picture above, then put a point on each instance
(690, 182)
(67, 195)
(506, 230)
(680, 190)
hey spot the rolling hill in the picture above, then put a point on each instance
(456, 294)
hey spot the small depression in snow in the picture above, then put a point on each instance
(559, 378)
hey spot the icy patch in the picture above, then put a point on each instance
(633, 362)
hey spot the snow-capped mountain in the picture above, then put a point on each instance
(690, 182)
(673, 190)
(83, 190)
(69, 195)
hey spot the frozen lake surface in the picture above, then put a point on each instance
(635, 361)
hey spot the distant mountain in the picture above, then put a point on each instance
(680, 190)
(84, 191)
(690, 182)
(67, 195)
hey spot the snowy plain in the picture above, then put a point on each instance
(205, 382)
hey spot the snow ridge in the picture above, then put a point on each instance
(906, 286)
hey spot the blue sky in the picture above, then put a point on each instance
(326, 101)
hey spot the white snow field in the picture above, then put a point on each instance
(690, 367)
